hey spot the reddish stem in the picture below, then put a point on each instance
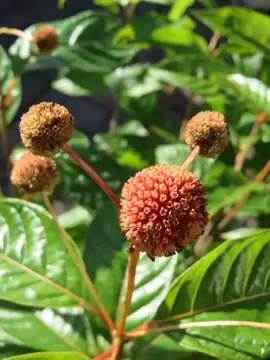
(104, 355)
(192, 156)
(91, 172)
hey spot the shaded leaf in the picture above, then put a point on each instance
(32, 259)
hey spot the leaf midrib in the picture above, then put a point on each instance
(228, 303)
(44, 279)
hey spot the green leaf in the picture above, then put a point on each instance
(84, 190)
(104, 256)
(239, 24)
(199, 65)
(134, 88)
(85, 43)
(35, 266)
(178, 35)
(206, 88)
(178, 8)
(177, 154)
(51, 356)
(240, 233)
(55, 332)
(159, 347)
(152, 282)
(7, 78)
(253, 93)
(229, 197)
(129, 150)
(229, 283)
(79, 83)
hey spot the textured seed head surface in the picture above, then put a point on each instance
(45, 128)
(33, 174)
(162, 210)
(209, 130)
(45, 39)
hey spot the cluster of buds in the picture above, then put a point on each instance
(162, 208)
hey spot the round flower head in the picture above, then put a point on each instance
(45, 128)
(209, 130)
(33, 174)
(162, 210)
(45, 40)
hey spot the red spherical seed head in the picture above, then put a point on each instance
(46, 128)
(162, 210)
(45, 40)
(209, 130)
(33, 174)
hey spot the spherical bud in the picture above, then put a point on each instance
(46, 128)
(209, 130)
(45, 40)
(162, 210)
(33, 174)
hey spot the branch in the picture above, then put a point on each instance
(227, 218)
(201, 324)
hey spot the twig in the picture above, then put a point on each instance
(241, 157)
(105, 316)
(227, 218)
(9, 96)
(104, 355)
(204, 240)
(114, 118)
(200, 324)
(192, 156)
(213, 42)
(12, 31)
(133, 257)
(5, 134)
(91, 172)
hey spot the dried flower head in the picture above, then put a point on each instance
(33, 174)
(45, 128)
(209, 130)
(45, 40)
(162, 210)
